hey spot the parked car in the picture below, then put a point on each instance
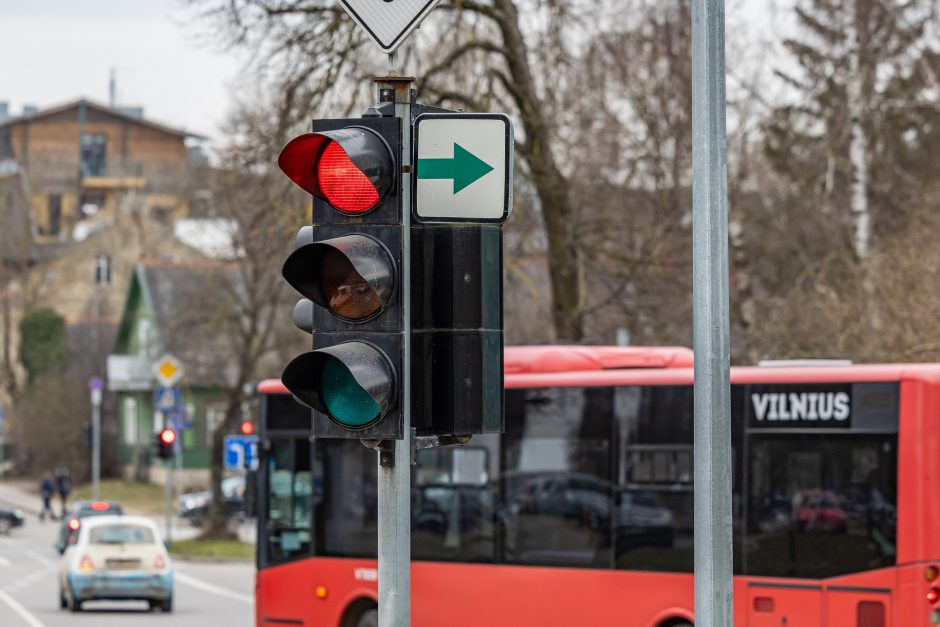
(71, 523)
(117, 558)
(10, 518)
(194, 506)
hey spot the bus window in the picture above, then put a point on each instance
(453, 502)
(289, 500)
(556, 454)
(821, 505)
(653, 501)
(348, 513)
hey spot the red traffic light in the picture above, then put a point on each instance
(168, 436)
(351, 168)
(247, 427)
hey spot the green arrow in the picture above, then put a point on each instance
(464, 168)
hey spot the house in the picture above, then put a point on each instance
(83, 159)
(158, 318)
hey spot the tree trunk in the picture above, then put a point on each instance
(858, 147)
(562, 254)
(217, 522)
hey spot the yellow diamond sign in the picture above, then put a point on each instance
(168, 370)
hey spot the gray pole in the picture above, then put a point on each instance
(95, 442)
(395, 480)
(713, 574)
(167, 497)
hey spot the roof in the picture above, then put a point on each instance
(179, 296)
(550, 366)
(117, 113)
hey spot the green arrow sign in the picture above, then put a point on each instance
(464, 168)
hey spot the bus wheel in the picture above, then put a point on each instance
(369, 618)
(362, 613)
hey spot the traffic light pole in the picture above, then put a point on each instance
(394, 470)
(712, 440)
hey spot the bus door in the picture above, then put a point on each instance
(821, 508)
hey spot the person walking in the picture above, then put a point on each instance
(64, 483)
(47, 489)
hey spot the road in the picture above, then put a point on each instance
(205, 594)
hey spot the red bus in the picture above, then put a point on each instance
(581, 512)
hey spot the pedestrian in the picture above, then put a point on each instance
(47, 489)
(64, 483)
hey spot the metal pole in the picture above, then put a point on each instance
(96, 445)
(713, 564)
(167, 496)
(394, 489)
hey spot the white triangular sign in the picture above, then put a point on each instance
(388, 22)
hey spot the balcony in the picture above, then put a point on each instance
(96, 175)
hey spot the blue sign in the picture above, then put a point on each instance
(178, 420)
(167, 399)
(241, 451)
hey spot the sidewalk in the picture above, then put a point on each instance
(16, 493)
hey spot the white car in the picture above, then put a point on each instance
(116, 558)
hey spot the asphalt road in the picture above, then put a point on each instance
(205, 594)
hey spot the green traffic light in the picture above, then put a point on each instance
(348, 403)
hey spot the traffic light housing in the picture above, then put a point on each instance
(165, 441)
(348, 269)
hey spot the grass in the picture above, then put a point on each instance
(213, 548)
(135, 498)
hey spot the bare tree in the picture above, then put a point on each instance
(493, 55)
(239, 309)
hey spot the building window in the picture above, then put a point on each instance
(102, 269)
(93, 154)
(130, 421)
(215, 416)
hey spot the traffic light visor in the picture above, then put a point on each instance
(352, 276)
(352, 383)
(351, 168)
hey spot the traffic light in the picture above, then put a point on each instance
(165, 441)
(348, 269)
(247, 427)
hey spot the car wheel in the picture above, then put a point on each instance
(75, 605)
(167, 606)
(5, 526)
(63, 602)
(369, 618)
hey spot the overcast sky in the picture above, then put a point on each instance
(53, 51)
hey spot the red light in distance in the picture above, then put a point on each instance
(247, 427)
(168, 436)
(74, 524)
(933, 595)
(99, 506)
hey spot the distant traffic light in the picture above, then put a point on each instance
(165, 441)
(247, 427)
(349, 272)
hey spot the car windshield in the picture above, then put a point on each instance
(121, 534)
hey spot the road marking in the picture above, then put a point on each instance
(25, 614)
(208, 587)
(42, 559)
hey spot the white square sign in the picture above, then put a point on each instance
(463, 167)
